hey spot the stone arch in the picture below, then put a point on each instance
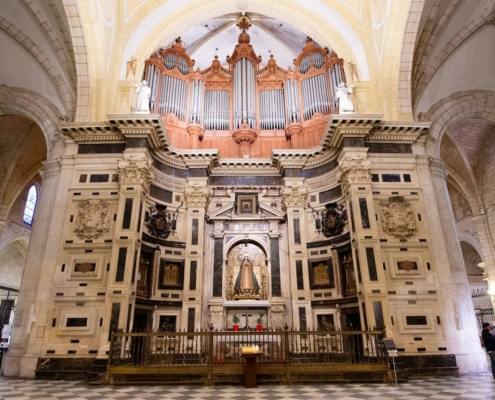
(457, 106)
(80, 58)
(237, 241)
(407, 56)
(29, 104)
(12, 259)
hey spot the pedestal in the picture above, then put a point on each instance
(251, 369)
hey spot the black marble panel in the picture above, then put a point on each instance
(330, 194)
(334, 241)
(370, 257)
(302, 319)
(363, 207)
(99, 178)
(134, 143)
(140, 216)
(321, 170)
(101, 148)
(217, 267)
(299, 275)
(416, 320)
(114, 318)
(198, 172)
(297, 231)
(191, 314)
(378, 310)
(245, 180)
(390, 177)
(161, 194)
(134, 266)
(119, 276)
(275, 257)
(178, 173)
(351, 212)
(161, 242)
(365, 317)
(195, 232)
(76, 322)
(353, 142)
(192, 275)
(358, 265)
(389, 148)
(126, 221)
(428, 361)
(293, 172)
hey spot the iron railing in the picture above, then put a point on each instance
(216, 352)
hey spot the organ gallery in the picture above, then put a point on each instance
(237, 190)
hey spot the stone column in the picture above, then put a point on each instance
(35, 296)
(459, 321)
(197, 199)
(294, 201)
(355, 177)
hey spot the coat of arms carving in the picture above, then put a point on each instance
(398, 217)
(92, 220)
(333, 219)
(159, 221)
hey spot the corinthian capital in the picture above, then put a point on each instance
(355, 169)
(294, 194)
(135, 170)
(196, 194)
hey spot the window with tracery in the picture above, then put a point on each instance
(30, 205)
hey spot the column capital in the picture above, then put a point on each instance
(135, 169)
(196, 193)
(295, 193)
(354, 168)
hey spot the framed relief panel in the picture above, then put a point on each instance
(85, 266)
(406, 264)
(321, 275)
(246, 204)
(171, 274)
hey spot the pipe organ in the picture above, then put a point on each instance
(243, 95)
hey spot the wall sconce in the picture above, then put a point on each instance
(316, 217)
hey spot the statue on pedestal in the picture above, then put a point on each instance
(344, 96)
(143, 100)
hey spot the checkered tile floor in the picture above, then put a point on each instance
(466, 387)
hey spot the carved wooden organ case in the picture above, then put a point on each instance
(246, 100)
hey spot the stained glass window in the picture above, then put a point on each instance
(30, 205)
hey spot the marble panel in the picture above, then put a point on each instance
(321, 170)
(245, 180)
(217, 267)
(161, 194)
(126, 220)
(101, 148)
(192, 275)
(275, 261)
(330, 195)
(389, 148)
(120, 273)
(178, 173)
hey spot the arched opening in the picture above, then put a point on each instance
(30, 207)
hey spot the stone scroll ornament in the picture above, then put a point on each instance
(92, 219)
(398, 217)
(294, 195)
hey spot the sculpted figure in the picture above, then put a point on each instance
(246, 282)
(344, 96)
(143, 100)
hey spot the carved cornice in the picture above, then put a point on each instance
(398, 132)
(134, 125)
(92, 132)
(200, 158)
(350, 125)
(243, 166)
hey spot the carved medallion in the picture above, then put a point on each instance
(333, 219)
(398, 217)
(92, 220)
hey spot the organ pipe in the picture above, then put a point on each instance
(267, 98)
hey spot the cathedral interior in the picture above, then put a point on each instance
(185, 166)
